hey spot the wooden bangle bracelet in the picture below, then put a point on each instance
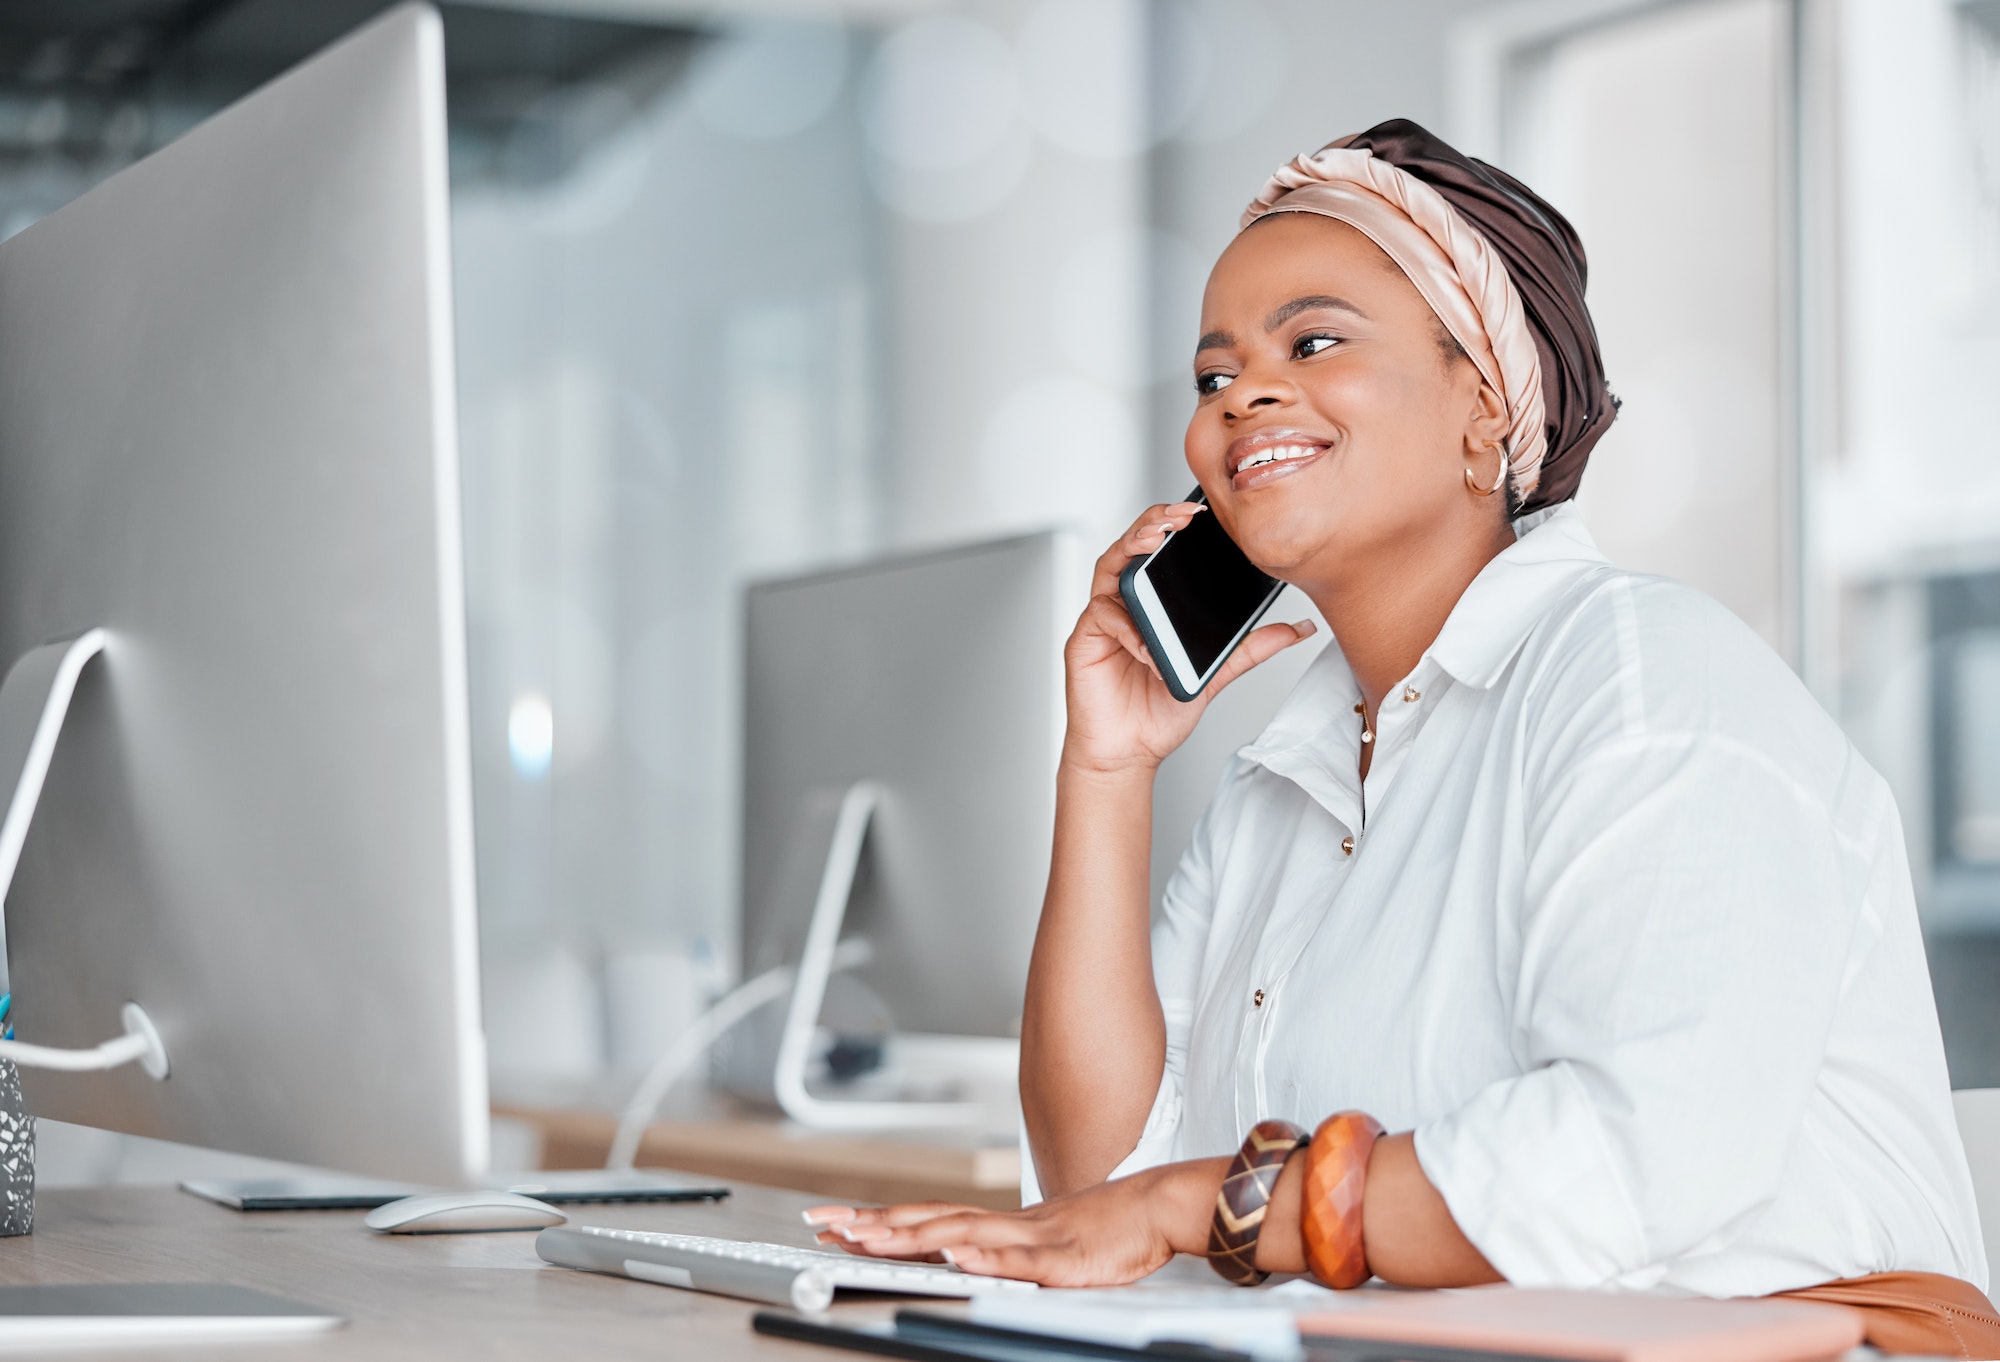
(1336, 1179)
(1246, 1196)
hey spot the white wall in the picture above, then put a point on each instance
(1622, 127)
(1014, 175)
(1265, 80)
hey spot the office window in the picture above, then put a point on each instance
(1965, 727)
(1907, 495)
(1793, 218)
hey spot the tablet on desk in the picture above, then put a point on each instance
(558, 1187)
(118, 1313)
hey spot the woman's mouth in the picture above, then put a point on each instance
(1267, 459)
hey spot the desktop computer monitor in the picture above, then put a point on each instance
(228, 467)
(912, 709)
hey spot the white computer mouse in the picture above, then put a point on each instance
(463, 1213)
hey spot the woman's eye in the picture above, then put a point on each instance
(1212, 382)
(1306, 346)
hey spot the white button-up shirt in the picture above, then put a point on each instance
(1620, 924)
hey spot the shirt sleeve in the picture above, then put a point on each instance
(1682, 937)
(1180, 937)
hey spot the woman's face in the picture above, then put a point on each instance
(1335, 420)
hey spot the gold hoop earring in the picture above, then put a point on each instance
(1498, 482)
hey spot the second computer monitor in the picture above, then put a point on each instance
(938, 677)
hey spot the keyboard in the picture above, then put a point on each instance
(801, 1278)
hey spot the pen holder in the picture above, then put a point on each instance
(17, 1156)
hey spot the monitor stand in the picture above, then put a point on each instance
(816, 964)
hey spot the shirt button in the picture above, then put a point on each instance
(1347, 846)
(1257, 998)
(1411, 695)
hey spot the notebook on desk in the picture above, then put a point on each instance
(1588, 1326)
(1371, 1325)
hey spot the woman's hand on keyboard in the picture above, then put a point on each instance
(1108, 1235)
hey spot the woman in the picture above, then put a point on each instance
(1551, 871)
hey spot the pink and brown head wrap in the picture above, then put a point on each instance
(1502, 269)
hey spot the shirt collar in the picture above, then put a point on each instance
(1552, 549)
(1313, 738)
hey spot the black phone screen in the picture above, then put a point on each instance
(1209, 589)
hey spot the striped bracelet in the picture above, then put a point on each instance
(1246, 1196)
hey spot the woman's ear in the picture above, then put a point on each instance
(1486, 425)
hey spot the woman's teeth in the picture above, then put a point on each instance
(1275, 454)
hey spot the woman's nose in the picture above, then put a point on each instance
(1253, 391)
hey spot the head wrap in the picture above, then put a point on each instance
(1503, 270)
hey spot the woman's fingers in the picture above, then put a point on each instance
(865, 1248)
(1108, 617)
(857, 1228)
(908, 1213)
(1023, 1262)
(1261, 646)
(1148, 532)
(925, 1238)
(1105, 1236)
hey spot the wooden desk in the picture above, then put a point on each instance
(871, 1169)
(413, 1296)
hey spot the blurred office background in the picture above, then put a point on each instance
(751, 288)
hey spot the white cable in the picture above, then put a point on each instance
(109, 1055)
(140, 1044)
(694, 1042)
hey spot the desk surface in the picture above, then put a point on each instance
(832, 1165)
(413, 1296)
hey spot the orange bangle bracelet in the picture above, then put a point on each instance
(1336, 1179)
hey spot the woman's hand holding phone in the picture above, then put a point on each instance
(1122, 717)
(1092, 1034)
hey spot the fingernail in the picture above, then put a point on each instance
(1166, 528)
(1306, 628)
(948, 1256)
(826, 1215)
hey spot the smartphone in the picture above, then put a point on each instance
(1194, 598)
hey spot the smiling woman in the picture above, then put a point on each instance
(1550, 900)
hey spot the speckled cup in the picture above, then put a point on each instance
(17, 1156)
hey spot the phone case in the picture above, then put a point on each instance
(1146, 631)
